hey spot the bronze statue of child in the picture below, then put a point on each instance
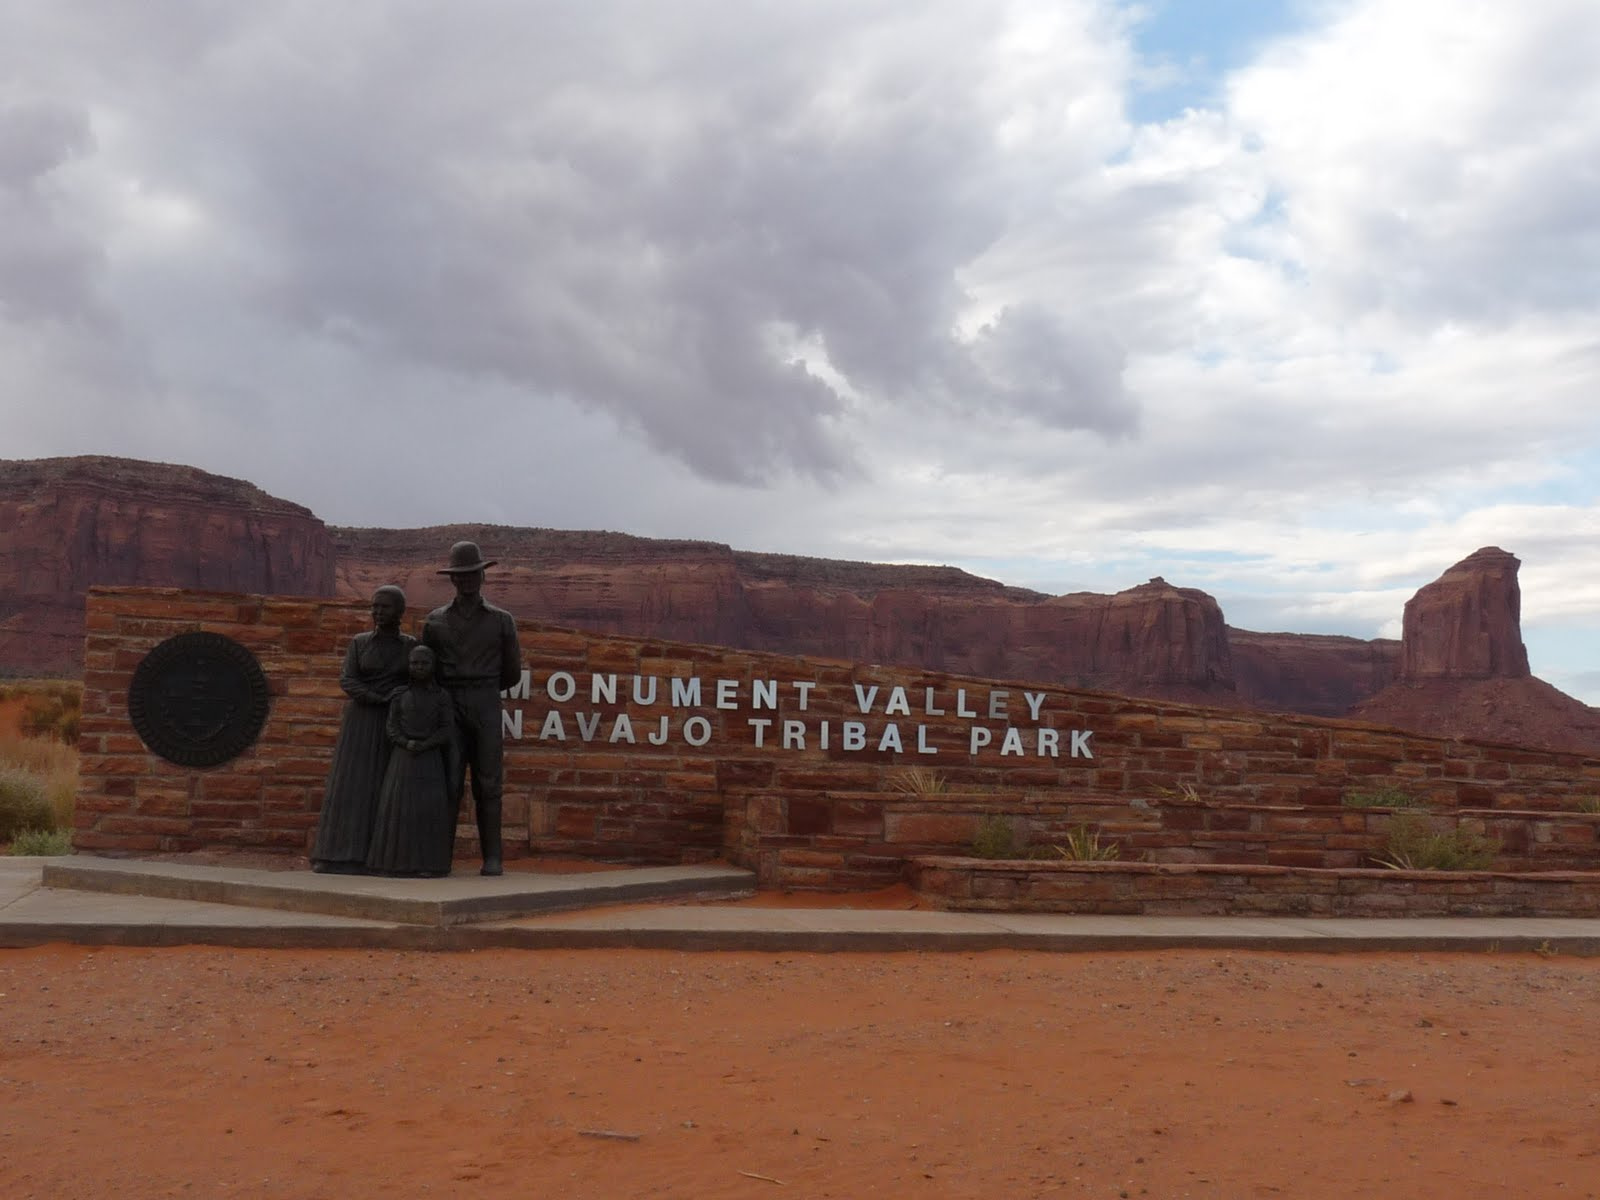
(412, 829)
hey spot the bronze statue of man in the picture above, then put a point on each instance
(475, 645)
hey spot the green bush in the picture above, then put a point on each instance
(1384, 797)
(42, 843)
(24, 803)
(1414, 845)
(999, 837)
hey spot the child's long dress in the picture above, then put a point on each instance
(411, 832)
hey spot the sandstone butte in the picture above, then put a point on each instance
(1460, 668)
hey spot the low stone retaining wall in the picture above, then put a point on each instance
(641, 750)
(851, 840)
(1155, 889)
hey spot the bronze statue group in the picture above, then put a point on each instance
(421, 716)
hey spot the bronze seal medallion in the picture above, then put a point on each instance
(198, 699)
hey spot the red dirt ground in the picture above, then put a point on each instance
(343, 1074)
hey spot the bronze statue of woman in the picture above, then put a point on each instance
(375, 669)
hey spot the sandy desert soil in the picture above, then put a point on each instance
(344, 1074)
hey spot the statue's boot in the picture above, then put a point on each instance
(489, 836)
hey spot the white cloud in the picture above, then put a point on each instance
(884, 279)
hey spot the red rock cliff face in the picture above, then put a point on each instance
(1319, 674)
(1465, 669)
(1467, 624)
(69, 523)
(1154, 639)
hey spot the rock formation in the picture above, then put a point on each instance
(1464, 669)
(66, 524)
(1318, 674)
(69, 523)
(1467, 624)
(1154, 639)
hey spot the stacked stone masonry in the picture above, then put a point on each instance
(1154, 890)
(1179, 783)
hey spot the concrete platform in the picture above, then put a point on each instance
(33, 913)
(454, 900)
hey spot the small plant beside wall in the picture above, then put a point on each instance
(42, 843)
(1084, 845)
(1414, 845)
(999, 837)
(917, 781)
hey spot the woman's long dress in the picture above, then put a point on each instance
(374, 665)
(411, 833)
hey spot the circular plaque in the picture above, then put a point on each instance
(198, 699)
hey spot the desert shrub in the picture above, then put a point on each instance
(1384, 797)
(54, 764)
(42, 843)
(1084, 845)
(1589, 804)
(53, 710)
(918, 781)
(999, 837)
(1414, 845)
(24, 803)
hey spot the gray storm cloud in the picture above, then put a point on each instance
(721, 227)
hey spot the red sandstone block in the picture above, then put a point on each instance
(295, 613)
(229, 811)
(114, 823)
(993, 886)
(734, 773)
(575, 822)
(1293, 823)
(1285, 856)
(941, 828)
(1135, 722)
(128, 765)
(92, 802)
(1158, 739)
(127, 842)
(264, 839)
(810, 858)
(614, 657)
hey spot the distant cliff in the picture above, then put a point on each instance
(68, 523)
(1154, 639)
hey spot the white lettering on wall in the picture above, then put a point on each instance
(608, 691)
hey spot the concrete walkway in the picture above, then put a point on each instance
(459, 913)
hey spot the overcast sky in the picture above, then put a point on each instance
(1298, 303)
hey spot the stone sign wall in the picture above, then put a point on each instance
(643, 750)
